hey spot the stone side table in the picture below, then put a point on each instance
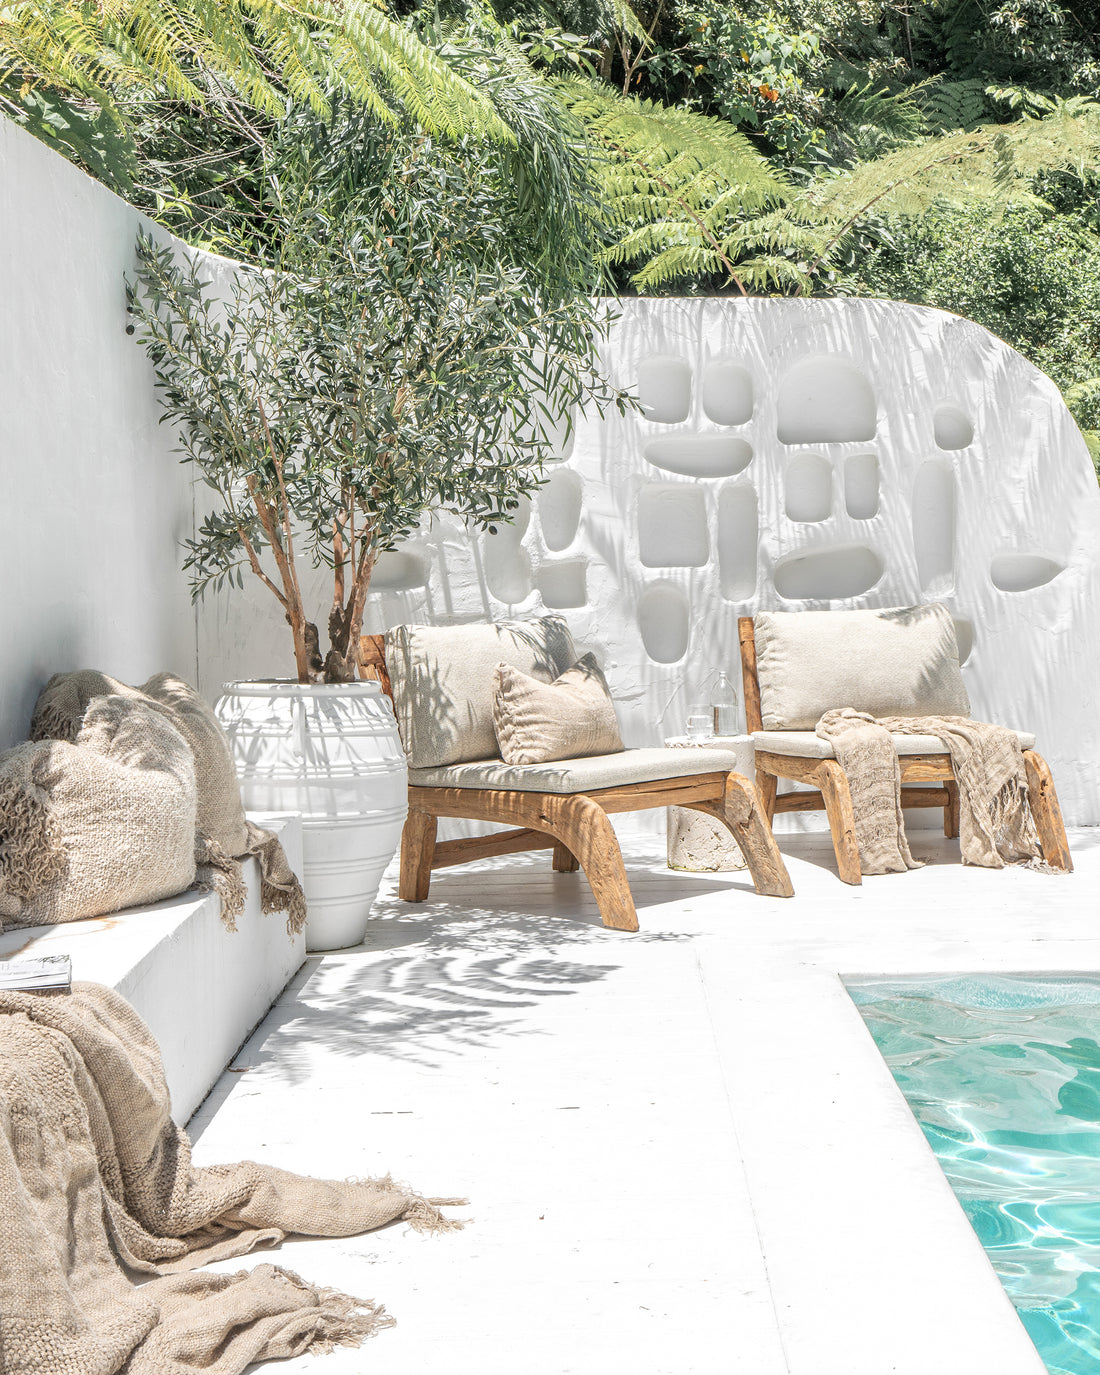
(697, 843)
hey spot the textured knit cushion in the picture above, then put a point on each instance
(806, 744)
(59, 715)
(442, 679)
(100, 824)
(570, 718)
(578, 775)
(902, 661)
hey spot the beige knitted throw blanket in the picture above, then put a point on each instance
(995, 824)
(97, 1182)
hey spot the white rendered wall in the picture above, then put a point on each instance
(93, 504)
(797, 454)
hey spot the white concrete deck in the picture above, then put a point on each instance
(682, 1149)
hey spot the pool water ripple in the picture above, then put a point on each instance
(1003, 1075)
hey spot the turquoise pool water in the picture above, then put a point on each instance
(1003, 1075)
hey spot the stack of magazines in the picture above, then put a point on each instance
(42, 974)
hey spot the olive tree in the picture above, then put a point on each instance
(390, 363)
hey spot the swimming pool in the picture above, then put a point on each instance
(1003, 1075)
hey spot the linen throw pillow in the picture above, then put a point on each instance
(103, 823)
(570, 718)
(897, 661)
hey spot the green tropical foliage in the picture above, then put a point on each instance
(646, 145)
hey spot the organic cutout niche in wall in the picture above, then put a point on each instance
(952, 427)
(664, 388)
(672, 526)
(964, 638)
(663, 622)
(1022, 572)
(507, 565)
(560, 508)
(828, 575)
(809, 488)
(399, 570)
(738, 531)
(563, 584)
(934, 527)
(861, 486)
(699, 455)
(727, 393)
(825, 400)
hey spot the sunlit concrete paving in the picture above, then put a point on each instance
(682, 1150)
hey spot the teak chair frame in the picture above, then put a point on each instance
(574, 825)
(832, 795)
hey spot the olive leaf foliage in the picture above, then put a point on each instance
(388, 366)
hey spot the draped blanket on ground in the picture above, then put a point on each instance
(995, 824)
(95, 1178)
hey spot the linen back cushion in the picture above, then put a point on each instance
(898, 661)
(443, 681)
(571, 718)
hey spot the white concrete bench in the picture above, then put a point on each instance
(200, 988)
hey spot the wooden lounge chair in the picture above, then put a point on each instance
(558, 807)
(805, 758)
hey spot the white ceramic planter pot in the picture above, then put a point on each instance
(330, 751)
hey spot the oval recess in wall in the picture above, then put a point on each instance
(564, 584)
(664, 388)
(808, 488)
(399, 570)
(828, 575)
(861, 482)
(672, 525)
(933, 515)
(952, 427)
(1022, 572)
(507, 570)
(825, 400)
(727, 393)
(699, 455)
(738, 531)
(507, 565)
(663, 622)
(560, 508)
(964, 637)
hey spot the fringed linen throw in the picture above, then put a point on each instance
(95, 1177)
(995, 824)
(225, 835)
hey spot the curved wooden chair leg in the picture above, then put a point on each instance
(951, 810)
(837, 796)
(741, 811)
(417, 851)
(582, 827)
(768, 786)
(1047, 812)
(565, 861)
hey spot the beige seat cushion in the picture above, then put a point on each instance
(570, 718)
(577, 775)
(807, 745)
(442, 679)
(897, 661)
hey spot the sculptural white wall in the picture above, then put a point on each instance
(791, 455)
(93, 502)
